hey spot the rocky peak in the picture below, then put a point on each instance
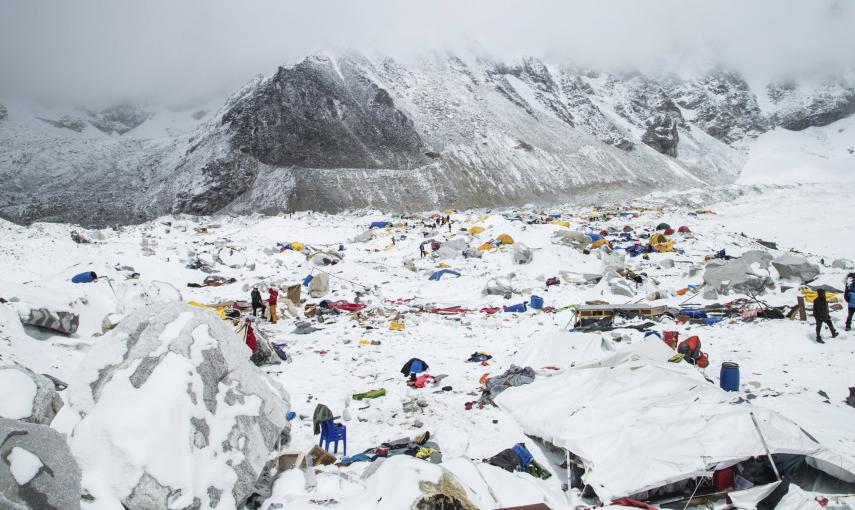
(118, 119)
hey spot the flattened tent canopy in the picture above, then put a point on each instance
(639, 423)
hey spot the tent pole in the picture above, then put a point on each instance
(765, 447)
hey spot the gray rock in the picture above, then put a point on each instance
(190, 360)
(795, 267)
(661, 135)
(667, 264)
(619, 286)
(55, 486)
(47, 401)
(710, 293)
(738, 274)
(522, 254)
(843, 264)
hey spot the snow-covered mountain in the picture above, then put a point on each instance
(346, 131)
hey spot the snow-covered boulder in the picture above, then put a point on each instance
(572, 238)
(794, 267)
(522, 254)
(134, 294)
(27, 396)
(37, 470)
(843, 264)
(173, 413)
(749, 274)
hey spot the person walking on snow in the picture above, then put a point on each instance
(272, 298)
(257, 303)
(849, 294)
(820, 313)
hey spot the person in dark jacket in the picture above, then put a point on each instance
(257, 303)
(849, 294)
(820, 313)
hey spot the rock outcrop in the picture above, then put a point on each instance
(43, 402)
(173, 413)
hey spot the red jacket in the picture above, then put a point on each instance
(273, 297)
(250, 338)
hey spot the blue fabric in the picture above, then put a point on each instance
(87, 277)
(652, 333)
(417, 367)
(379, 224)
(518, 308)
(307, 280)
(709, 321)
(593, 236)
(442, 272)
(693, 313)
(524, 455)
(851, 290)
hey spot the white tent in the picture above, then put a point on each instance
(638, 422)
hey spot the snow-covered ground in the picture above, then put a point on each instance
(780, 363)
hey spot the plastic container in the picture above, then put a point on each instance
(537, 302)
(729, 376)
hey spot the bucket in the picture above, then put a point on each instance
(537, 302)
(729, 376)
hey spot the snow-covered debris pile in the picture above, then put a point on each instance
(173, 414)
(27, 396)
(748, 274)
(794, 267)
(37, 470)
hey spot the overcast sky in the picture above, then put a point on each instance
(186, 51)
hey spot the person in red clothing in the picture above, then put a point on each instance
(271, 301)
(250, 336)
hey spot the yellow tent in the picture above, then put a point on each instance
(810, 295)
(505, 239)
(600, 242)
(482, 218)
(563, 223)
(661, 243)
(220, 311)
(658, 239)
(476, 230)
(485, 247)
(297, 246)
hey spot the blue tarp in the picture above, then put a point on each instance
(593, 236)
(518, 308)
(88, 276)
(380, 224)
(307, 280)
(442, 272)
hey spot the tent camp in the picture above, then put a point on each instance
(637, 423)
(505, 239)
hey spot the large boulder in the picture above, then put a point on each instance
(37, 470)
(173, 413)
(749, 274)
(843, 264)
(572, 238)
(27, 396)
(522, 254)
(794, 267)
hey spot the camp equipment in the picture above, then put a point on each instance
(86, 277)
(332, 432)
(729, 376)
(536, 302)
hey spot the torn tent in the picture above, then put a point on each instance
(639, 423)
(414, 366)
(436, 276)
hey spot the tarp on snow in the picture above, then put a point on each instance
(442, 272)
(85, 277)
(638, 423)
(380, 224)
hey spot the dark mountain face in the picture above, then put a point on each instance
(338, 132)
(310, 116)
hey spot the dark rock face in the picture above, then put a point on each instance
(66, 122)
(3, 112)
(724, 106)
(309, 116)
(661, 135)
(223, 182)
(834, 100)
(119, 119)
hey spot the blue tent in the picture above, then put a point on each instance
(593, 236)
(379, 224)
(439, 274)
(87, 277)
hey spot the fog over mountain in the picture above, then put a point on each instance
(100, 52)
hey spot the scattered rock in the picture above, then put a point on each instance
(38, 391)
(795, 267)
(843, 264)
(748, 274)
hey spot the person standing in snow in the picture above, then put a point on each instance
(257, 303)
(820, 313)
(273, 297)
(849, 294)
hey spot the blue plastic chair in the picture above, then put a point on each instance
(332, 432)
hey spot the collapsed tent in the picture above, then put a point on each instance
(476, 230)
(380, 224)
(637, 423)
(436, 276)
(61, 322)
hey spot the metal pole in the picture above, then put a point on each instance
(765, 447)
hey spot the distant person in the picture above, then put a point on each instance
(257, 303)
(422, 250)
(273, 297)
(820, 313)
(849, 294)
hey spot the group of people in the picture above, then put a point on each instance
(820, 308)
(258, 303)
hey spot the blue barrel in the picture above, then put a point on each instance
(729, 376)
(87, 277)
(537, 302)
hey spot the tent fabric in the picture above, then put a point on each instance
(638, 422)
(663, 226)
(379, 224)
(562, 223)
(486, 246)
(414, 365)
(476, 230)
(505, 239)
(436, 276)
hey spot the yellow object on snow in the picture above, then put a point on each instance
(443, 265)
(220, 311)
(476, 230)
(365, 341)
(600, 242)
(297, 246)
(483, 218)
(505, 239)
(396, 326)
(810, 295)
(486, 246)
(448, 211)
(563, 223)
